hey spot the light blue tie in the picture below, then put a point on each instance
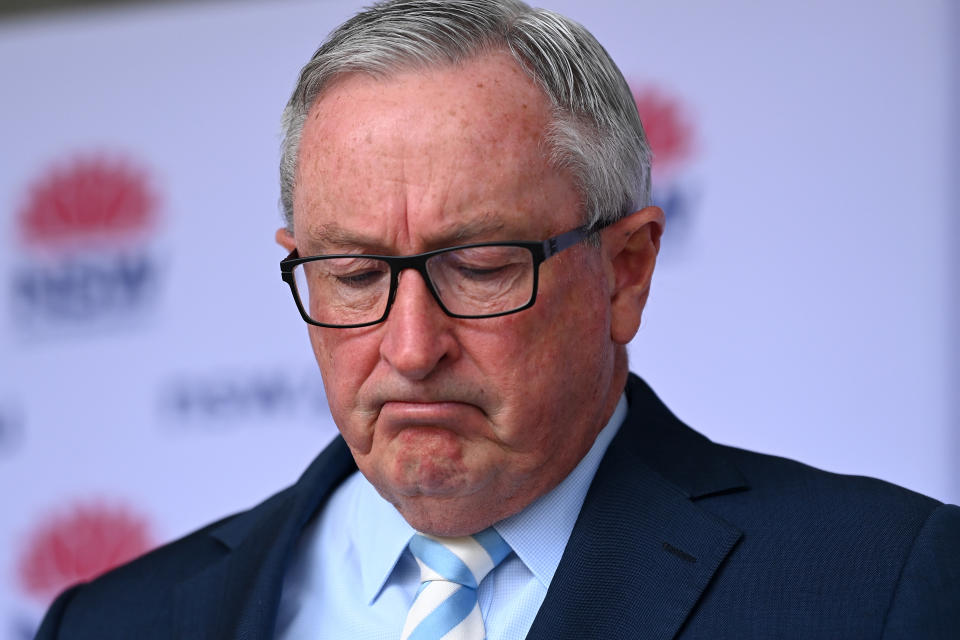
(451, 569)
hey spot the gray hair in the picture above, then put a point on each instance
(595, 131)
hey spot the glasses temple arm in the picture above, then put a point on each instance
(556, 244)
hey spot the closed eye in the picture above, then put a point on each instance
(481, 273)
(361, 279)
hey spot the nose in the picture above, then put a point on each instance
(417, 335)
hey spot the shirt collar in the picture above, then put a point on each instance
(382, 534)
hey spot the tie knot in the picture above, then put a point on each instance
(464, 560)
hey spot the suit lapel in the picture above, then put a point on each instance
(642, 552)
(237, 596)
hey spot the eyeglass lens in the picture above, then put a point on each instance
(470, 281)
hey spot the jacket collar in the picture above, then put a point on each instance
(237, 595)
(687, 459)
(642, 551)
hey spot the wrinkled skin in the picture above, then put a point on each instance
(461, 423)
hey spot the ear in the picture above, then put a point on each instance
(630, 246)
(285, 239)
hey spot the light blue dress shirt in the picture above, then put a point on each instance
(353, 577)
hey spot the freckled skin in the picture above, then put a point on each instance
(461, 423)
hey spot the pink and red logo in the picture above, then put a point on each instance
(85, 228)
(673, 138)
(88, 199)
(78, 545)
(668, 126)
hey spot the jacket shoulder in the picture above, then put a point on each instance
(819, 554)
(137, 599)
(223, 575)
(785, 480)
(872, 558)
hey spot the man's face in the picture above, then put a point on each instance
(458, 422)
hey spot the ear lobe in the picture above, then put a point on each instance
(631, 246)
(285, 239)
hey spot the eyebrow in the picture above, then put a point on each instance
(334, 236)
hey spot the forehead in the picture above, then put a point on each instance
(431, 152)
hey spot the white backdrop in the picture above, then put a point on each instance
(154, 374)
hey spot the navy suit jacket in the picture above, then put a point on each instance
(678, 538)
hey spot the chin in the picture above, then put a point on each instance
(441, 485)
(446, 517)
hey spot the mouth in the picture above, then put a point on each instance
(401, 414)
(454, 406)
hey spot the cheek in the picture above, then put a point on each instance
(345, 362)
(530, 359)
(342, 359)
(571, 325)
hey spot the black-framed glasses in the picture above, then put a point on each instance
(482, 280)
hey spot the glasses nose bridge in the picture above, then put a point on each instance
(417, 262)
(399, 264)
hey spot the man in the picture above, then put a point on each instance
(466, 190)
